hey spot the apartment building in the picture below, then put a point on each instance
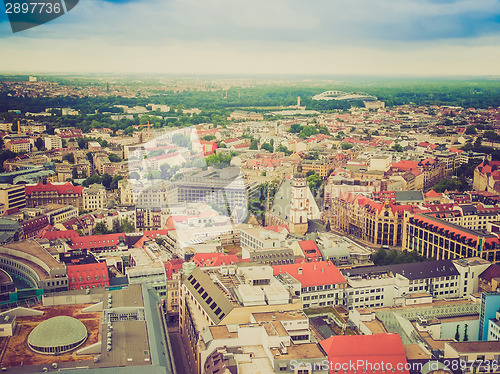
(260, 238)
(318, 284)
(226, 296)
(433, 237)
(486, 176)
(470, 270)
(33, 127)
(494, 327)
(390, 285)
(321, 167)
(220, 187)
(481, 357)
(379, 223)
(19, 146)
(94, 197)
(52, 142)
(57, 193)
(143, 194)
(472, 217)
(12, 196)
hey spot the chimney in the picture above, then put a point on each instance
(300, 270)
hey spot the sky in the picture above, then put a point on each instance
(313, 37)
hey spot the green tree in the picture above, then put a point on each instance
(397, 147)
(106, 180)
(92, 180)
(114, 182)
(82, 143)
(208, 137)
(295, 128)
(267, 146)
(314, 181)
(285, 150)
(324, 130)
(100, 229)
(114, 158)
(116, 226)
(471, 130)
(254, 144)
(135, 175)
(126, 226)
(199, 163)
(181, 140)
(308, 131)
(346, 146)
(39, 144)
(491, 135)
(69, 157)
(74, 173)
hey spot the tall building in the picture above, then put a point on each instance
(216, 187)
(490, 302)
(52, 142)
(225, 296)
(12, 196)
(293, 205)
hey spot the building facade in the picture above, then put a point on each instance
(436, 238)
(43, 194)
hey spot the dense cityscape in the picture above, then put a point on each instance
(195, 224)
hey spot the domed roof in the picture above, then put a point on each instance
(57, 331)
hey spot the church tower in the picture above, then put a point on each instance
(299, 203)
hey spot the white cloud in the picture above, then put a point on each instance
(262, 36)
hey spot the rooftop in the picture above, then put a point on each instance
(476, 347)
(32, 248)
(299, 351)
(279, 316)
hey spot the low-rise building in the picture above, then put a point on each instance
(474, 356)
(318, 284)
(94, 197)
(53, 193)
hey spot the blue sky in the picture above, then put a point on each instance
(379, 37)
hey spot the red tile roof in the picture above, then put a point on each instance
(96, 241)
(66, 188)
(311, 274)
(433, 193)
(405, 165)
(51, 235)
(358, 352)
(276, 228)
(493, 271)
(87, 275)
(214, 259)
(173, 266)
(310, 249)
